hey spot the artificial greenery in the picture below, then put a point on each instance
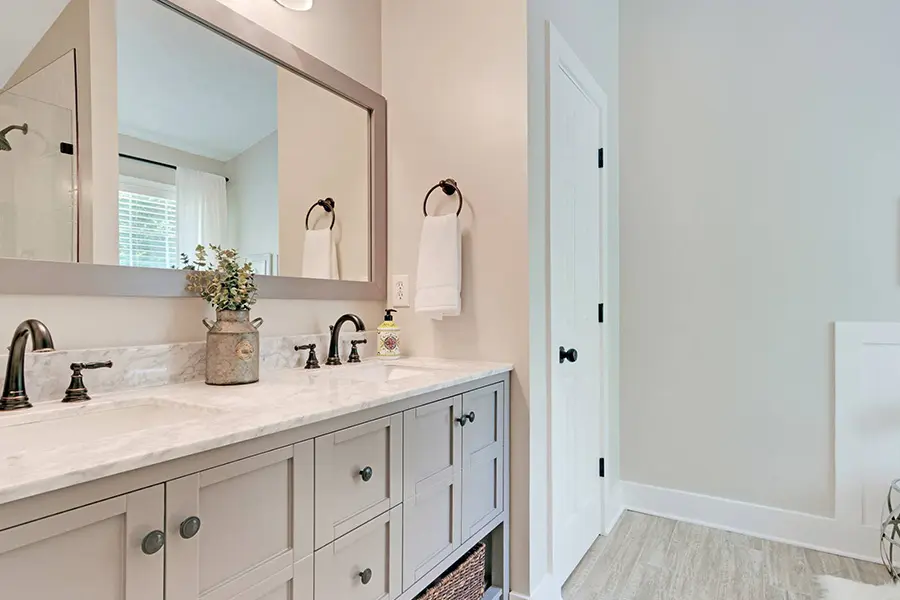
(223, 281)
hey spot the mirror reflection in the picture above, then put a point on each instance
(198, 140)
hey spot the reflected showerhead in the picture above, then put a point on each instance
(4, 143)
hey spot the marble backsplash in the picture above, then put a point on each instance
(47, 374)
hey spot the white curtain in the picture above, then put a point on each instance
(202, 209)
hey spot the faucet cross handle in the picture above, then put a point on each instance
(312, 361)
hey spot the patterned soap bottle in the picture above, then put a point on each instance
(389, 337)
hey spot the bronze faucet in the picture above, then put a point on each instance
(14, 395)
(334, 355)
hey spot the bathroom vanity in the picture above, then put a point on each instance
(359, 482)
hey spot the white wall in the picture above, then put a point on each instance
(592, 30)
(760, 202)
(76, 322)
(253, 198)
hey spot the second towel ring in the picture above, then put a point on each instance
(449, 187)
(328, 205)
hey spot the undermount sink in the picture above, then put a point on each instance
(78, 424)
(377, 373)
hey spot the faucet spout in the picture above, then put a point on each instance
(14, 395)
(334, 355)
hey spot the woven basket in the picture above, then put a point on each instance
(463, 581)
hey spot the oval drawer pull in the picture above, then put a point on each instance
(153, 542)
(366, 474)
(366, 576)
(189, 527)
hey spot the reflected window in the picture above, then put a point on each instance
(148, 224)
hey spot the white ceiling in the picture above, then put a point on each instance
(183, 86)
(30, 20)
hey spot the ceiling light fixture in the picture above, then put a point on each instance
(296, 4)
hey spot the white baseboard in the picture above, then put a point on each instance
(799, 529)
(548, 589)
(615, 508)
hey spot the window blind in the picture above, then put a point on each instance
(147, 224)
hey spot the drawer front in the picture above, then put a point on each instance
(358, 476)
(365, 564)
(482, 461)
(432, 473)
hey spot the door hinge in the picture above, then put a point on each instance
(602, 467)
(600, 315)
(66, 148)
(600, 158)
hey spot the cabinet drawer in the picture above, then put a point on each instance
(482, 468)
(358, 476)
(365, 564)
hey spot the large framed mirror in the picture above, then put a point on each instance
(132, 131)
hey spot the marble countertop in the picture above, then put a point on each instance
(54, 446)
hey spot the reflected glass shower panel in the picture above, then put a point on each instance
(38, 209)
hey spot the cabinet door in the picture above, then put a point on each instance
(432, 486)
(256, 526)
(358, 476)
(90, 553)
(482, 462)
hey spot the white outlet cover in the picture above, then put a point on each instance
(400, 291)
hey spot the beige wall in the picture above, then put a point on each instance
(353, 46)
(164, 154)
(759, 205)
(455, 77)
(323, 151)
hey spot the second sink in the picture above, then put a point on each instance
(376, 373)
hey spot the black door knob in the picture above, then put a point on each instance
(366, 474)
(366, 576)
(189, 527)
(153, 542)
(570, 355)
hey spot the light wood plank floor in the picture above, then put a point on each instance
(649, 558)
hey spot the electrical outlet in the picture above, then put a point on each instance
(400, 294)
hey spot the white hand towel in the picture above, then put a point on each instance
(320, 255)
(439, 276)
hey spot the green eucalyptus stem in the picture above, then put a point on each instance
(223, 281)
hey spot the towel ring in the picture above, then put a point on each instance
(449, 187)
(328, 205)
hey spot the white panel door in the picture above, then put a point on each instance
(575, 131)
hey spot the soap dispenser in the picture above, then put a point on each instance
(389, 337)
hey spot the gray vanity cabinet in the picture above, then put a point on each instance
(432, 492)
(89, 553)
(255, 538)
(482, 458)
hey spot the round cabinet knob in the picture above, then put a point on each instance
(153, 542)
(366, 474)
(366, 576)
(463, 420)
(471, 417)
(189, 527)
(570, 355)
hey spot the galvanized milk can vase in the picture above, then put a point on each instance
(232, 341)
